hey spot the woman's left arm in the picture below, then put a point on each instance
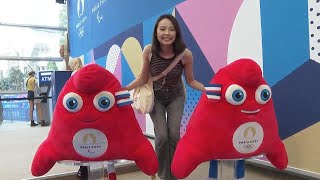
(187, 61)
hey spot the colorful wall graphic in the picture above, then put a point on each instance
(282, 36)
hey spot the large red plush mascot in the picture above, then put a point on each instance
(234, 119)
(94, 121)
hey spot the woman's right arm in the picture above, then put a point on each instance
(145, 71)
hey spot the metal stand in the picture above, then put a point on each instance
(219, 169)
(112, 174)
(96, 169)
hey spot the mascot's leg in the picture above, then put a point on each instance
(278, 157)
(111, 170)
(213, 170)
(188, 156)
(239, 169)
(145, 157)
(44, 159)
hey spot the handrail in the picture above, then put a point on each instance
(12, 99)
(14, 92)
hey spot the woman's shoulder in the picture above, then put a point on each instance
(147, 47)
(187, 57)
(187, 53)
(147, 51)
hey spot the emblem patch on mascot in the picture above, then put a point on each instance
(93, 121)
(234, 119)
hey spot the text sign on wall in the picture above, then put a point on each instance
(45, 78)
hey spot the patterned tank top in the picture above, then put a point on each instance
(168, 87)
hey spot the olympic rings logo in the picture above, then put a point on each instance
(248, 146)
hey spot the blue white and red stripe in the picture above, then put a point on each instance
(213, 91)
(123, 98)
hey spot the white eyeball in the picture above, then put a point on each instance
(235, 94)
(72, 102)
(263, 94)
(104, 101)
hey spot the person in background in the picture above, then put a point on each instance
(38, 104)
(65, 58)
(32, 88)
(169, 91)
(61, 51)
(75, 65)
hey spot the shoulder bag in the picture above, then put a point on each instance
(143, 96)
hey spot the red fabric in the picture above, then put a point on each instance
(219, 130)
(112, 176)
(106, 135)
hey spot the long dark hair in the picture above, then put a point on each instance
(178, 44)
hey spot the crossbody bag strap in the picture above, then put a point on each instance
(172, 65)
(27, 81)
(150, 53)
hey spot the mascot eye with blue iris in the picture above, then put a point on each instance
(263, 94)
(235, 94)
(72, 102)
(103, 101)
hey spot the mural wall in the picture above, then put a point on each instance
(282, 36)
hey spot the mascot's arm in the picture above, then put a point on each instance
(188, 155)
(278, 157)
(146, 158)
(43, 160)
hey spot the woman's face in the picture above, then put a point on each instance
(61, 51)
(73, 64)
(166, 33)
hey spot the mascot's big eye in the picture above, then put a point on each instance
(72, 102)
(263, 94)
(235, 94)
(103, 101)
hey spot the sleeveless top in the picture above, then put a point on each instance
(30, 83)
(167, 88)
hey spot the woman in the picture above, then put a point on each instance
(65, 57)
(76, 65)
(169, 93)
(32, 87)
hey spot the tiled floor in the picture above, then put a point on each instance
(19, 143)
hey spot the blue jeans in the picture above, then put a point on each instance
(166, 120)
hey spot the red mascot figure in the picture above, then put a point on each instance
(94, 121)
(234, 119)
